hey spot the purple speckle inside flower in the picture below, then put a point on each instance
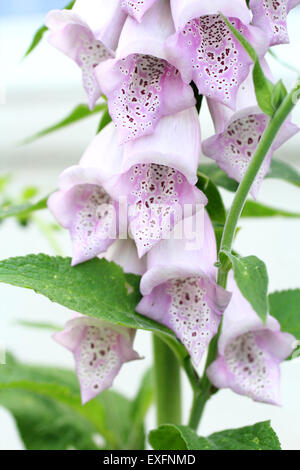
(272, 14)
(97, 357)
(157, 193)
(216, 58)
(94, 219)
(239, 143)
(90, 54)
(137, 8)
(137, 103)
(251, 366)
(190, 316)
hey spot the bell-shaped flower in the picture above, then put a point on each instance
(271, 15)
(157, 183)
(124, 253)
(88, 34)
(82, 204)
(137, 8)
(249, 351)
(179, 287)
(99, 349)
(238, 135)
(140, 85)
(205, 51)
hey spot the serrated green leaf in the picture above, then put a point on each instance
(22, 210)
(256, 209)
(285, 306)
(260, 436)
(38, 36)
(47, 407)
(215, 206)
(97, 288)
(174, 437)
(251, 276)
(81, 111)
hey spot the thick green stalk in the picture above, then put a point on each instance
(240, 198)
(167, 383)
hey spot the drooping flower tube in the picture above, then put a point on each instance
(180, 289)
(124, 253)
(205, 51)
(157, 182)
(140, 85)
(137, 8)
(147, 182)
(99, 349)
(83, 206)
(271, 15)
(250, 352)
(88, 34)
(238, 135)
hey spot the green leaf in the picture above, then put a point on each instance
(218, 229)
(278, 94)
(264, 90)
(81, 111)
(38, 36)
(260, 436)
(251, 277)
(218, 176)
(255, 209)
(4, 181)
(173, 437)
(215, 206)
(47, 407)
(283, 171)
(198, 97)
(263, 87)
(96, 288)
(278, 170)
(144, 397)
(139, 409)
(285, 306)
(38, 325)
(22, 210)
(104, 121)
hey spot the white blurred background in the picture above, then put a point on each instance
(42, 90)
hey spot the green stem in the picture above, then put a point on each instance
(167, 383)
(199, 402)
(264, 146)
(206, 389)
